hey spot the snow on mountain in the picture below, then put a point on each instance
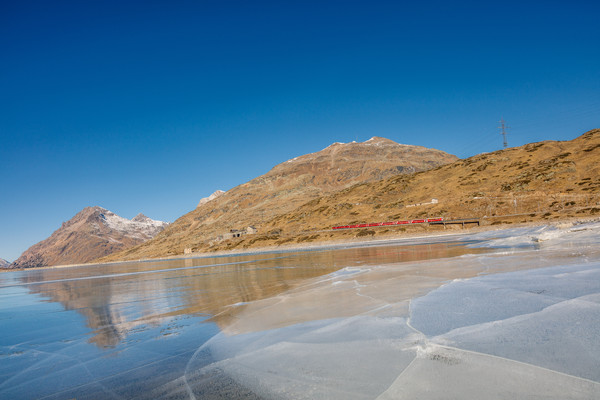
(139, 227)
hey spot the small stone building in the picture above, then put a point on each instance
(236, 233)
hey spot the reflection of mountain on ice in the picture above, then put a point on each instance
(110, 309)
(116, 317)
(432, 329)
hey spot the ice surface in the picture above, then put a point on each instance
(522, 323)
(558, 331)
(565, 235)
(516, 317)
(497, 297)
(71, 368)
(350, 358)
(446, 373)
(548, 348)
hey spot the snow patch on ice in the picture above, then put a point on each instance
(348, 271)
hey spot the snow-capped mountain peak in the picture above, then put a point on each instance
(94, 232)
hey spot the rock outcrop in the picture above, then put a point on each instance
(213, 196)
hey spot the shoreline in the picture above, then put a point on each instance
(323, 245)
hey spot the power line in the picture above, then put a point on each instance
(503, 127)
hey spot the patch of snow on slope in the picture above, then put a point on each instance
(143, 228)
(333, 144)
(375, 141)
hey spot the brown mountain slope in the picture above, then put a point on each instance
(537, 181)
(284, 188)
(94, 232)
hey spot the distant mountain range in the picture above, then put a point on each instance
(4, 263)
(286, 187)
(92, 233)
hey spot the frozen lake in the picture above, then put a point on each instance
(502, 314)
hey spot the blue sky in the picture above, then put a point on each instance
(149, 106)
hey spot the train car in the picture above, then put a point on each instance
(375, 224)
(435, 219)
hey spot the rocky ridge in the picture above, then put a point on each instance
(94, 232)
(213, 196)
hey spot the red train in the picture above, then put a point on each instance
(412, 221)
